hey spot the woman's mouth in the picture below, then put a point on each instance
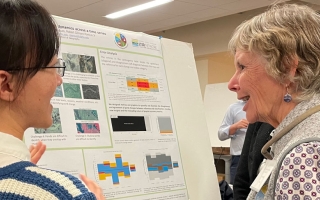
(245, 99)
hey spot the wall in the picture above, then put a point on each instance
(212, 36)
(209, 36)
(214, 68)
(220, 67)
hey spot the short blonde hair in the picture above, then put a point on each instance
(282, 35)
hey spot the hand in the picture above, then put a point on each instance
(36, 152)
(93, 187)
(242, 124)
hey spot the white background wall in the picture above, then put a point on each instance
(217, 99)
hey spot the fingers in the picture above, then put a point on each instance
(243, 123)
(246, 122)
(36, 152)
(93, 187)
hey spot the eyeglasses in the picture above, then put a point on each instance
(60, 67)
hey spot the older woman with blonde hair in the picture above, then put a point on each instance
(277, 60)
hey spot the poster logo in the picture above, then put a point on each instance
(120, 40)
(135, 42)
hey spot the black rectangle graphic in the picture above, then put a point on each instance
(128, 123)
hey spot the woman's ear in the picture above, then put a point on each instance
(291, 69)
(6, 86)
(294, 66)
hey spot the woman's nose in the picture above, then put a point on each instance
(233, 84)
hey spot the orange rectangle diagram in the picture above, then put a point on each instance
(131, 83)
(153, 85)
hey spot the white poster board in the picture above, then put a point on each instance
(129, 115)
(217, 99)
(187, 103)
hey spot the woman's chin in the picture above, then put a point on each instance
(251, 118)
(252, 121)
(45, 124)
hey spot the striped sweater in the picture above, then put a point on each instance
(25, 181)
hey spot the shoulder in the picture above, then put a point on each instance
(302, 154)
(49, 183)
(299, 174)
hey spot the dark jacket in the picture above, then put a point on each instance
(257, 135)
(225, 191)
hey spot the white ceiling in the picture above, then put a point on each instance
(170, 15)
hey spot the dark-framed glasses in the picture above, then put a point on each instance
(60, 66)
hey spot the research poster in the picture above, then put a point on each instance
(112, 116)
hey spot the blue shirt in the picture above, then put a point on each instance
(233, 115)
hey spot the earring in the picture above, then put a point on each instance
(287, 97)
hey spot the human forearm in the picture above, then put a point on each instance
(233, 128)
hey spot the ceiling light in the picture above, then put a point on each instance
(138, 8)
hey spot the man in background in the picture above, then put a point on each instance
(234, 127)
